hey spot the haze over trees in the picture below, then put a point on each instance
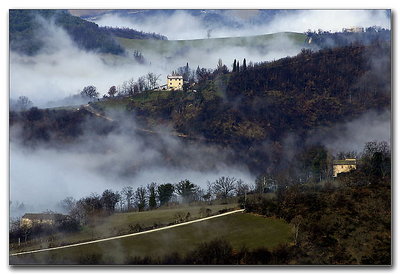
(269, 117)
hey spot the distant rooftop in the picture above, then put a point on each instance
(351, 161)
(175, 77)
(42, 216)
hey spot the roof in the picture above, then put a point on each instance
(175, 77)
(345, 162)
(42, 216)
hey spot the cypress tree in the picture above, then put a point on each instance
(234, 66)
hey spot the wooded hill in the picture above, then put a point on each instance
(253, 110)
(26, 32)
(264, 103)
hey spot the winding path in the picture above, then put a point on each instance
(127, 235)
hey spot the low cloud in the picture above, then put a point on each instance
(44, 175)
(181, 24)
(61, 69)
(353, 135)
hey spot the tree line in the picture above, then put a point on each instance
(86, 210)
(132, 33)
(150, 197)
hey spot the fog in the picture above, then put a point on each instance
(182, 24)
(354, 134)
(40, 177)
(44, 175)
(61, 69)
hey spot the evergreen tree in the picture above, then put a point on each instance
(234, 66)
(151, 188)
(244, 64)
(165, 193)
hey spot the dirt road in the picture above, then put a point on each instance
(127, 235)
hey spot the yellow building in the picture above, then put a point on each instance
(341, 166)
(174, 82)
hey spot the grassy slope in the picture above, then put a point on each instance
(169, 47)
(119, 224)
(239, 229)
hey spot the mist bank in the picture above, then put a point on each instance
(352, 135)
(61, 68)
(272, 121)
(198, 24)
(43, 174)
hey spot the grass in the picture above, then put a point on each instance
(240, 229)
(171, 47)
(123, 223)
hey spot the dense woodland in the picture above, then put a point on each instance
(326, 39)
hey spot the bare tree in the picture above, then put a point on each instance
(224, 187)
(152, 80)
(68, 204)
(23, 103)
(127, 194)
(131, 86)
(140, 198)
(241, 188)
(142, 83)
(123, 88)
(109, 199)
(296, 222)
(26, 231)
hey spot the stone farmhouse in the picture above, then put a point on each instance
(341, 166)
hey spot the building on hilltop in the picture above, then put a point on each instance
(342, 166)
(31, 219)
(353, 29)
(174, 82)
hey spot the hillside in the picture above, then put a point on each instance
(172, 47)
(240, 230)
(290, 96)
(271, 100)
(27, 31)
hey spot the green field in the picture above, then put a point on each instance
(124, 223)
(172, 47)
(239, 229)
